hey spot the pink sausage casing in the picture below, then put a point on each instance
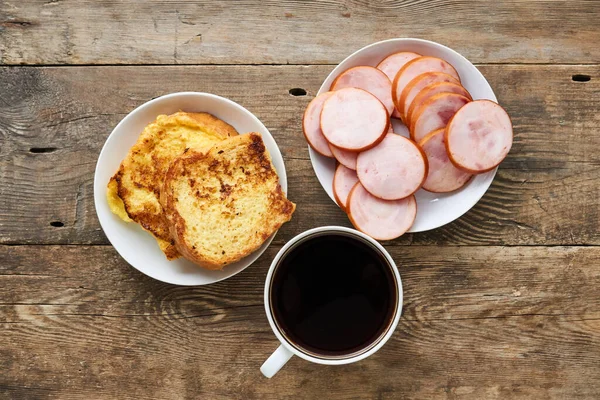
(353, 119)
(394, 63)
(380, 219)
(344, 180)
(430, 91)
(443, 176)
(413, 69)
(479, 136)
(344, 157)
(414, 87)
(367, 78)
(435, 114)
(394, 169)
(311, 125)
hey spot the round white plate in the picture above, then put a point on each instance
(133, 243)
(433, 209)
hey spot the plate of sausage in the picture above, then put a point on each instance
(405, 135)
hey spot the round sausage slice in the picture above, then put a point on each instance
(479, 136)
(414, 68)
(435, 114)
(344, 157)
(443, 176)
(344, 180)
(394, 169)
(433, 89)
(353, 119)
(367, 78)
(311, 125)
(415, 86)
(392, 64)
(380, 219)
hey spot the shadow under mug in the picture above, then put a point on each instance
(287, 349)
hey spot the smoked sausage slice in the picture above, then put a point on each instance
(479, 136)
(311, 125)
(344, 157)
(394, 169)
(415, 86)
(392, 64)
(414, 68)
(370, 79)
(353, 119)
(443, 176)
(344, 180)
(380, 219)
(431, 90)
(435, 114)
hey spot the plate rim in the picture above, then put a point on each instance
(100, 195)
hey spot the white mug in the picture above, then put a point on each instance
(286, 350)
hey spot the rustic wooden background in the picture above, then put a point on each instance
(503, 303)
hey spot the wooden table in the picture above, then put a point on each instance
(503, 303)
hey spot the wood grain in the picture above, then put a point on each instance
(290, 32)
(478, 323)
(53, 127)
(504, 303)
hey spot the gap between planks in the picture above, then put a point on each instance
(219, 311)
(275, 243)
(562, 64)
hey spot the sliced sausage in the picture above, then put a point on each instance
(443, 176)
(415, 87)
(344, 180)
(392, 64)
(433, 89)
(344, 157)
(311, 125)
(413, 69)
(394, 169)
(435, 114)
(380, 219)
(367, 78)
(479, 136)
(353, 119)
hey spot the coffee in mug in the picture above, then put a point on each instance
(333, 296)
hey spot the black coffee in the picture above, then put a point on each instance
(333, 295)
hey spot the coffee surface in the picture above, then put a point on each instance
(333, 295)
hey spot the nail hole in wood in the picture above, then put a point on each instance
(297, 92)
(581, 78)
(38, 150)
(57, 224)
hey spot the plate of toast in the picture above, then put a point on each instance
(190, 188)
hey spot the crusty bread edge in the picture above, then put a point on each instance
(177, 222)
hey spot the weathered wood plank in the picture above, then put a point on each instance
(292, 31)
(545, 193)
(478, 323)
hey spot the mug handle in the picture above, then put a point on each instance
(276, 361)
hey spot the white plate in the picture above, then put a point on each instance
(133, 243)
(433, 209)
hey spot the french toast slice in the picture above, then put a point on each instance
(133, 192)
(224, 204)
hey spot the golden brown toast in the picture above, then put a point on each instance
(223, 204)
(133, 192)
